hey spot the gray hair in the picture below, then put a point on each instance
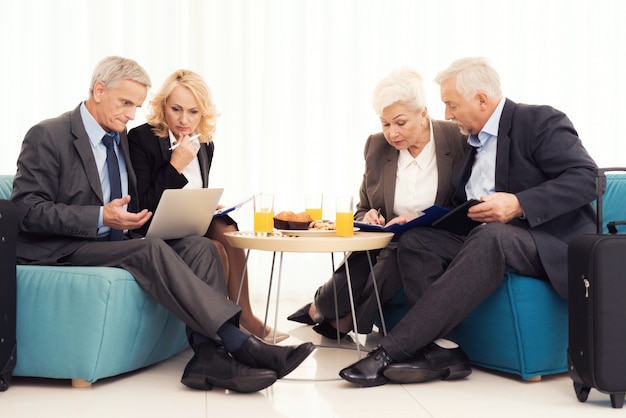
(473, 74)
(402, 85)
(111, 70)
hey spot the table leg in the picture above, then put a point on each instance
(380, 308)
(269, 294)
(243, 276)
(280, 275)
(354, 325)
(332, 260)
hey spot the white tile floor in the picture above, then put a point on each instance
(157, 392)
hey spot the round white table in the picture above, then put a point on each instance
(313, 241)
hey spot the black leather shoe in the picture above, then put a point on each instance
(212, 366)
(433, 362)
(282, 359)
(302, 315)
(328, 331)
(368, 371)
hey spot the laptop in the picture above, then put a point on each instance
(183, 212)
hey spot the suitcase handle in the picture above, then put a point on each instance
(612, 226)
(600, 189)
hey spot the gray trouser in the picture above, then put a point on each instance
(184, 275)
(446, 276)
(387, 279)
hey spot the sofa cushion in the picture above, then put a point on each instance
(521, 328)
(88, 323)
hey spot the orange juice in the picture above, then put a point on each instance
(264, 221)
(344, 224)
(316, 213)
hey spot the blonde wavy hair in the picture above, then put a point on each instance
(200, 90)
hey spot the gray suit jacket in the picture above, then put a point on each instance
(57, 189)
(381, 165)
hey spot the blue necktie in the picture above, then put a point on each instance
(114, 179)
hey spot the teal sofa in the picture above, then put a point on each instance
(88, 323)
(522, 328)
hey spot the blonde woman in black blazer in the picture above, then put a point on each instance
(165, 157)
(399, 101)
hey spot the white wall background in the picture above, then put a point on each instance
(293, 78)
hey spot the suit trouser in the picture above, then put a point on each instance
(183, 275)
(387, 281)
(446, 276)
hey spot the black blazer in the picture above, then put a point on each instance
(542, 161)
(151, 160)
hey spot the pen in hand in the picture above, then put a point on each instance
(191, 138)
(377, 220)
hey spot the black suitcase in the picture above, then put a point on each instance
(8, 238)
(597, 307)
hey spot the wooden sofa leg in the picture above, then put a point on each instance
(534, 379)
(80, 383)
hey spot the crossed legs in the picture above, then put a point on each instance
(445, 277)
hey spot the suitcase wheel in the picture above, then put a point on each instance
(582, 392)
(617, 400)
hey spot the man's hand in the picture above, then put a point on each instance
(115, 216)
(497, 207)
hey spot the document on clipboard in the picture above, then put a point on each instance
(428, 216)
(453, 220)
(226, 210)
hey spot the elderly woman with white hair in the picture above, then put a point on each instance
(407, 169)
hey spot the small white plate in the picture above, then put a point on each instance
(309, 232)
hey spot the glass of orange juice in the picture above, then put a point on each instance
(313, 205)
(263, 214)
(344, 221)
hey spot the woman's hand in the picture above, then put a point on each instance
(373, 216)
(402, 219)
(184, 153)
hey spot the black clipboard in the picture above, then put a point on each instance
(457, 221)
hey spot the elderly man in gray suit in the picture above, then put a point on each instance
(75, 191)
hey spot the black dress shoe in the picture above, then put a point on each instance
(302, 315)
(212, 366)
(282, 359)
(368, 371)
(328, 331)
(433, 362)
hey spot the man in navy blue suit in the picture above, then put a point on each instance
(535, 182)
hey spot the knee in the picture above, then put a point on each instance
(493, 233)
(155, 245)
(491, 229)
(408, 239)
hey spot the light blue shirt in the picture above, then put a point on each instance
(95, 133)
(482, 181)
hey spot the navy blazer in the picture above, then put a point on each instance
(541, 159)
(151, 161)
